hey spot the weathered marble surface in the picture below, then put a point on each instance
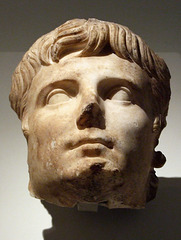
(93, 100)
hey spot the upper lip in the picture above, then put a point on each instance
(107, 143)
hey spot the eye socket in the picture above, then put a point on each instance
(57, 96)
(122, 94)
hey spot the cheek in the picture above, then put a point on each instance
(132, 131)
(46, 137)
(131, 127)
(49, 124)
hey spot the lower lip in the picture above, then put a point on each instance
(92, 150)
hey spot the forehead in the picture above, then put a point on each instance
(93, 68)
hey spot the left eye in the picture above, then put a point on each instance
(120, 94)
(57, 96)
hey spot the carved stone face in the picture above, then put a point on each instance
(90, 136)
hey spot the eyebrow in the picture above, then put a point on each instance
(116, 81)
(107, 84)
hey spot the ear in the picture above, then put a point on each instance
(31, 191)
(25, 125)
(156, 129)
(158, 158)
(157, 124)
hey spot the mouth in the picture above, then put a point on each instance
(85, 141)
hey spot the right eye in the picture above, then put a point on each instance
(57, 96)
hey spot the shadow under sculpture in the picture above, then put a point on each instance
(93, 99)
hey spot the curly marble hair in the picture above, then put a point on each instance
(90, 37)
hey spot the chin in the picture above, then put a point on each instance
(98, 181)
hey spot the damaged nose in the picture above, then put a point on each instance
(91, 116)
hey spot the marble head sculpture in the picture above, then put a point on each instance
(93, 100)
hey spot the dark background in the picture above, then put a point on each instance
(159, 221)
(157, 21)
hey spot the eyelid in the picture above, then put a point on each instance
(55, 91)
(70, 86)
(108, 84)
(117, 89)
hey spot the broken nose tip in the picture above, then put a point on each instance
(91, 116)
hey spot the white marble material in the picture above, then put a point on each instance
(93, 100)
